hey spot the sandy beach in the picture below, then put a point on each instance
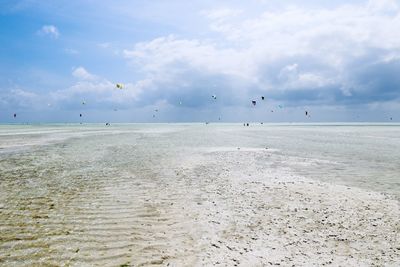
(190, 196)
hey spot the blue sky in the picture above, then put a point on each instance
(339, 60)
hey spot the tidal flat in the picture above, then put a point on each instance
(199, 195)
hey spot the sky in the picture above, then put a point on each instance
(337, 60)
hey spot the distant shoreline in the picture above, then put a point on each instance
(217, 123)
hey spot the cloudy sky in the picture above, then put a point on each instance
(339, 60)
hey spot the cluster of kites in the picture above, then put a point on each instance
(118, 86)
(121, 86)
(254, 102)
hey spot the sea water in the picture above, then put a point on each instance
(62, 186)
(361, 155)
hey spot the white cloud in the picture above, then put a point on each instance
(318, 46)
(232, 48)
(82, 74)
(97, 93)
(50, 30)
(168, 56)
(97, 90)
(383, 5)
(15, 98)
(71, 51)
(291, 77)
(104, 45)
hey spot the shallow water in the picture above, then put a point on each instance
(366, 156)
(96, 195)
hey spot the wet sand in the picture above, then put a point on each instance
(150, 199)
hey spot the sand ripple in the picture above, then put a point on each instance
(137, 201)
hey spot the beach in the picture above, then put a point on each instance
(200, 195)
